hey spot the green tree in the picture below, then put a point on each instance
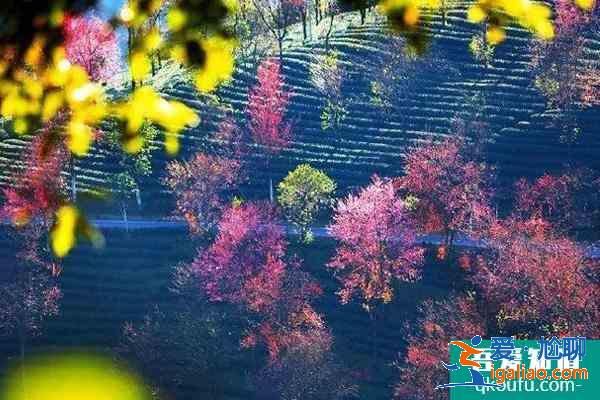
(125, 181)
(303, 193)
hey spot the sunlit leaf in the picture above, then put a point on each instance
(63, 236)
(218, 64)
(72, 376)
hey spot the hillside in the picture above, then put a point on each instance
(369, 139)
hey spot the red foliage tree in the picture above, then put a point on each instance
(29, 291)
(566, 201)
(91, 43)
(246, 266)
(267, 104)
(537, 281)
(200, 186)
(377, 244)
(452, 193)
(569, 17)
(421, 369)
(37, 190)
(291, 320)
(567, 84)
(550, 198)
(230, 138)
(308, 369)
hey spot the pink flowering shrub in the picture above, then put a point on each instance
(376, 244)
(91, 43)
(452, 193)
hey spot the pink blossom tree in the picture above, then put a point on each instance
(91, 43)
(246, 266)
(267, 104)
(550, 198)
(451, 193)
(200, 186)
(377, 244)
(440, 322)
(537, 281)
(29, 291)
(564, 83)
(38, 189)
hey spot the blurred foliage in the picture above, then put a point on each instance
(70, 225)
(411, 17)
(72, 376)
(37, 80)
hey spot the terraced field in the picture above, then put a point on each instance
(104, 289)
(370, 140)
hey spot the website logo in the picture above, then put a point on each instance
(499, 367)
(464, 361)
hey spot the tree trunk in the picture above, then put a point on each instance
(73, 181)
(138, 198)
(271, 189)
(317, 11)
(444, 10)
(304, 24)
(280, 45)
(328, 34)
(124, 211)
(373, 317)
(129, 48)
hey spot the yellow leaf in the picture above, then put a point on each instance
(79, 137)
(585, 4)
(140, 66)
(171, 144)
(495, 35)
(52, 103)
(134, 144)
(545, 30)
(33, 88)
(178, 54)
(63, 235)
(33, 55)
(218, 65)
(476, 14)
(152, 40)
(72, 376)
(232, 5)
(13, 105)
(20, 126)
(411, 15)
(176, 19)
